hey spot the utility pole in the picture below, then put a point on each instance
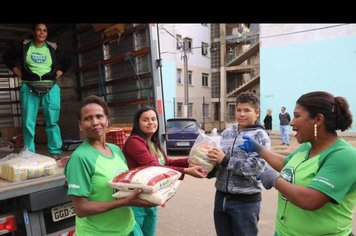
(186, 91)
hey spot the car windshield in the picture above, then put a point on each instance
(181, 124)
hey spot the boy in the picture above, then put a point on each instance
(238, 194)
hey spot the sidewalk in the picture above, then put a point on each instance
(285, 150)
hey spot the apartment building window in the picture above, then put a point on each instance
(215, 85)
(215, 55)
(189, 44)
(205, 110)
(204, 49)
(205, 79)
(231, 112)
(215, 30)
(190, 77)
(179, 76)
(190, 110)
(179, 109)
(179, 41)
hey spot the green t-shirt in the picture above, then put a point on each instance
(39, 59)
(88, 172)
(332, 172)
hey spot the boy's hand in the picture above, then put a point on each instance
(250, 145)
(216, 155)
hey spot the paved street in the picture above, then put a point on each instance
(190, 211)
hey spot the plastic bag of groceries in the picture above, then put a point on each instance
(201, 147)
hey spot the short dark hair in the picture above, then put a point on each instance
(34, 26)
(335, 109)
(248, 97)
(93, 99)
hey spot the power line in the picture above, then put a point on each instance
(179, 40)
(252, 35)
(302, 31)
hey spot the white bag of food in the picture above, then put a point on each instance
(26, 165)
(159, 197)
(148, 178)
(201, 147)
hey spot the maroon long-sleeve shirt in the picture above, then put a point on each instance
(137, 154)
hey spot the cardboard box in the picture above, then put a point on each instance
(116, 29)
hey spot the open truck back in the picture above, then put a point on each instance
(119, 62)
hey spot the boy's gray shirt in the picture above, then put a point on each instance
(237, 173)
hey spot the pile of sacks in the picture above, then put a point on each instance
(158, 183)
(26, 165)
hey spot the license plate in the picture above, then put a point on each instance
(62, 212)
(182, 143)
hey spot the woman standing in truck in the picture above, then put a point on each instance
(39, 64)
(88, 172)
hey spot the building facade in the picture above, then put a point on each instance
(186, 71)
(300, 58)
(235, 68)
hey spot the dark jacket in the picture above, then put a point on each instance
(284, 118)
(268, 122)
(16, 56)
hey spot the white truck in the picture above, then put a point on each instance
(119, 62)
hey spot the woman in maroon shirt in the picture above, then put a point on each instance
(143, 148)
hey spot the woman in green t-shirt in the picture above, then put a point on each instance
(317, 182)
(88, 172)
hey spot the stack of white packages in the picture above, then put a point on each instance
(158, 183)
(26, 165)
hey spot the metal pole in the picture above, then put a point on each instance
(186, 94)
(204, 112)
(174, 108)
(157, 80)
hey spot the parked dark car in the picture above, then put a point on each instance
(181, 133)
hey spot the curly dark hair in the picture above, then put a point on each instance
(248, 97)
(93, 99)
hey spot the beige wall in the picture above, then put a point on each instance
(196, 91)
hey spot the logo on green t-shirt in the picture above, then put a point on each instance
(38, 58)
(288, 174)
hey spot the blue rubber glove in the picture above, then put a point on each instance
(268, 178)
(250, 145)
